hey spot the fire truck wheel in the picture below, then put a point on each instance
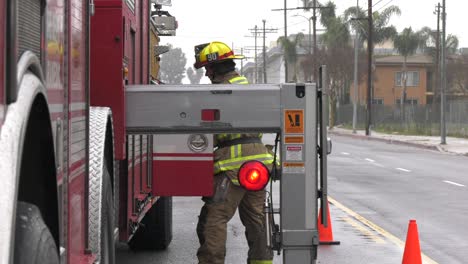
(34, 243)
(107, 225)
(155, 232)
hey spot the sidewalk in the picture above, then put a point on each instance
(457, 146)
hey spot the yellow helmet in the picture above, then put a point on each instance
(213, 52)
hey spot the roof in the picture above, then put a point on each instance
(398, 59)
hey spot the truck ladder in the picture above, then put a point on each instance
(289, 109)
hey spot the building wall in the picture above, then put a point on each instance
(386, 89)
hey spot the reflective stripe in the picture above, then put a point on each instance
(236, 151)
(236, 154)
(261, 262)
(225, 137)
(232, 164)
(233, 151)
(221, 137)
(239, 80)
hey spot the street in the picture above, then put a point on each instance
(391, 184)
(386, 184)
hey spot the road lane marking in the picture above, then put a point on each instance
(401, 169)
(454, 183)
(369, 160)
(345, 153)
(377, 228)
(363, 230)
(378, 165)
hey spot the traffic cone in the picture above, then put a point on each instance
(326, 233)
(412, 253)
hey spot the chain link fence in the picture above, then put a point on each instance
(416, 120)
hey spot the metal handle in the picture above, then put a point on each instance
(91, 8)
(266, 212)
(323, 105)
(58, 144)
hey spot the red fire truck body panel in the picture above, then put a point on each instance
(2, 61)
(179, 171)
(119, 56)
(77, 121)
(86, 61)
(107, 85)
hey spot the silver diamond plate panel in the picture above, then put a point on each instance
(98, 125)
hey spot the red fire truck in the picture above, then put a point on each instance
(73, 179)
(89, 154)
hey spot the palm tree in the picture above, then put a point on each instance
(430, 48)
(382, 31)
(289, 47)
(406, 43)
(338, 55)
(429, 37)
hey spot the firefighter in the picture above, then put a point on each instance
(231, 152)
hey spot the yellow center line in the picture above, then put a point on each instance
(377, 228)
(363, 230)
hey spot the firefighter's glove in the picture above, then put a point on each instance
(221, 186)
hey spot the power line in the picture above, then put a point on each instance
(262, 31)
(365, 10)
(377, 3)
(384, 5)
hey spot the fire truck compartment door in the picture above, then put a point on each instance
(182, 165)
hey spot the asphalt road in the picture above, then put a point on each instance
(375, 189)
(390, 184)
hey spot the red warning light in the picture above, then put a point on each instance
(253, 175)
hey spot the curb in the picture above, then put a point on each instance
(386, 140)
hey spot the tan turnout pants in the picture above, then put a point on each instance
(215, 215)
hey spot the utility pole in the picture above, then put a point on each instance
(255, 60)
(241, 52)
(264, 53)
(285, 36)
(443, 86)
(314, 30)
(306, 7)
(310, 42)
(369, 67)
(356, 94)
(256, 31)
(314, 23)
(265, 31)
(437, 43)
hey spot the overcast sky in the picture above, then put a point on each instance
(204, 21)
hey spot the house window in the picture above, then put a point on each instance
(412, 80)
(377, 101)
(408, 101)
(131, 4)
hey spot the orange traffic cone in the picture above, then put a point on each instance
(412, 253)
(326, 233)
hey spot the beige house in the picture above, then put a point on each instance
(388, 81)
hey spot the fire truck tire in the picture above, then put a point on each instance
(155, 232)
(34, 243)
(107, 252)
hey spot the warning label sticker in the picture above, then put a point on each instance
(294, 139)
(294, 121)
(293, 167)
(294, 152)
